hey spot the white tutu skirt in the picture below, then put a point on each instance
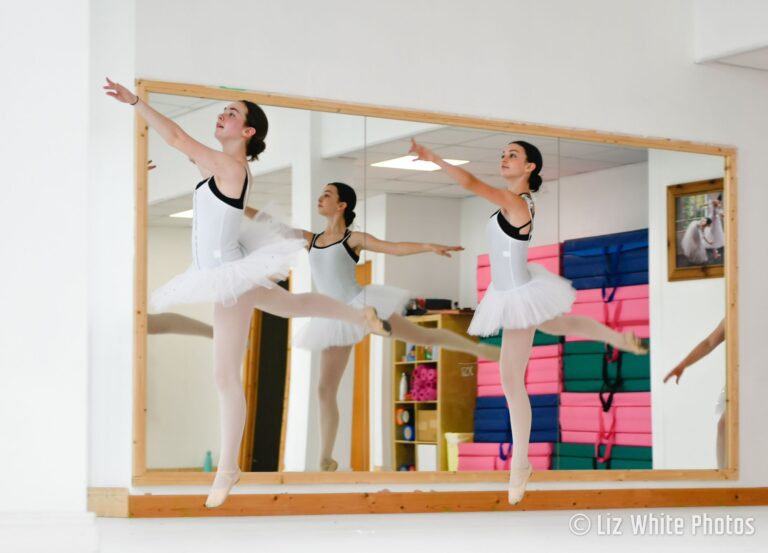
(720, 405)
(321, 333)
(541, 299)
(270, 249)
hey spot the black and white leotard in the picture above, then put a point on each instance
(230, 254)
(521, 294)
(333, 274)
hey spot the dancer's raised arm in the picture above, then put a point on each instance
(514, 206)
(364, 241)
(225, 167)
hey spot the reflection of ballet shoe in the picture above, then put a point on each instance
(223, 483)
(376, 325)
(633, 344)
(328, 465)
(518, 479)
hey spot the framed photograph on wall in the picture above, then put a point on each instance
(695, 230)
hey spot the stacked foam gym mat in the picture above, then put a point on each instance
(605, 410)
(607, 261)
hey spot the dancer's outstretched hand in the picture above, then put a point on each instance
(422, 153)
(677, 372)
(439, 249)
(120, 93)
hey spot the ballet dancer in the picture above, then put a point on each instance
(715, 231)
(694, 243)
(333, 256)
(521, 297)
(702, 349)
(234, 268)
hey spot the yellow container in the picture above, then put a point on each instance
(452, 441)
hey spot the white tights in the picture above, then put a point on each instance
(515, 351)
(333, 362)
(231, 326)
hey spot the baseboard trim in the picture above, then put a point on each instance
(109, 502)
(160, 506)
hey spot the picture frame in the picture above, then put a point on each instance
(695, 230)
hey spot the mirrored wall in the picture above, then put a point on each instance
(604, 219)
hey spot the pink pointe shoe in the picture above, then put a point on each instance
(222, 485)
(633, 344)
(518, 479)
(375, 325)
(329, 465)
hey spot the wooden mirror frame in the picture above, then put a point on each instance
(142, 476)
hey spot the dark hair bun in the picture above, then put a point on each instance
(257, 120)
(534, 182)
(254, 148)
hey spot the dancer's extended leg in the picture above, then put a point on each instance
(173, 323)
(405, 330)
(231, 325)
(282, 303)
(333, 361)
(515, 351)
(573, 325)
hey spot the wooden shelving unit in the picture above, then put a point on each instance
(456, 390)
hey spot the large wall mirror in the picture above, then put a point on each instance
(396, 410)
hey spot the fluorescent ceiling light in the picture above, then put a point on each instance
(182, 214)
(407, 162)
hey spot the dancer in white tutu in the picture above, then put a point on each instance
(714, 232)
(333, 255)
(694, 243)
(235, 267)
(521, 297)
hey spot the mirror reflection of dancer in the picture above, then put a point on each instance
(173, 323)
(703, 349)
(236, 270)
(695, 243)
(715, 231)
(333, 256)
(521, 297)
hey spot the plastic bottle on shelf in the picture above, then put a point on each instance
(403, 386)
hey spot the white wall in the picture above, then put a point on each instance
(617, 81)
(44, 329)
(682, 314)
(111, 205)
(725, 28)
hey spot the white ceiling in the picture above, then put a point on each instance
(482, 148)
